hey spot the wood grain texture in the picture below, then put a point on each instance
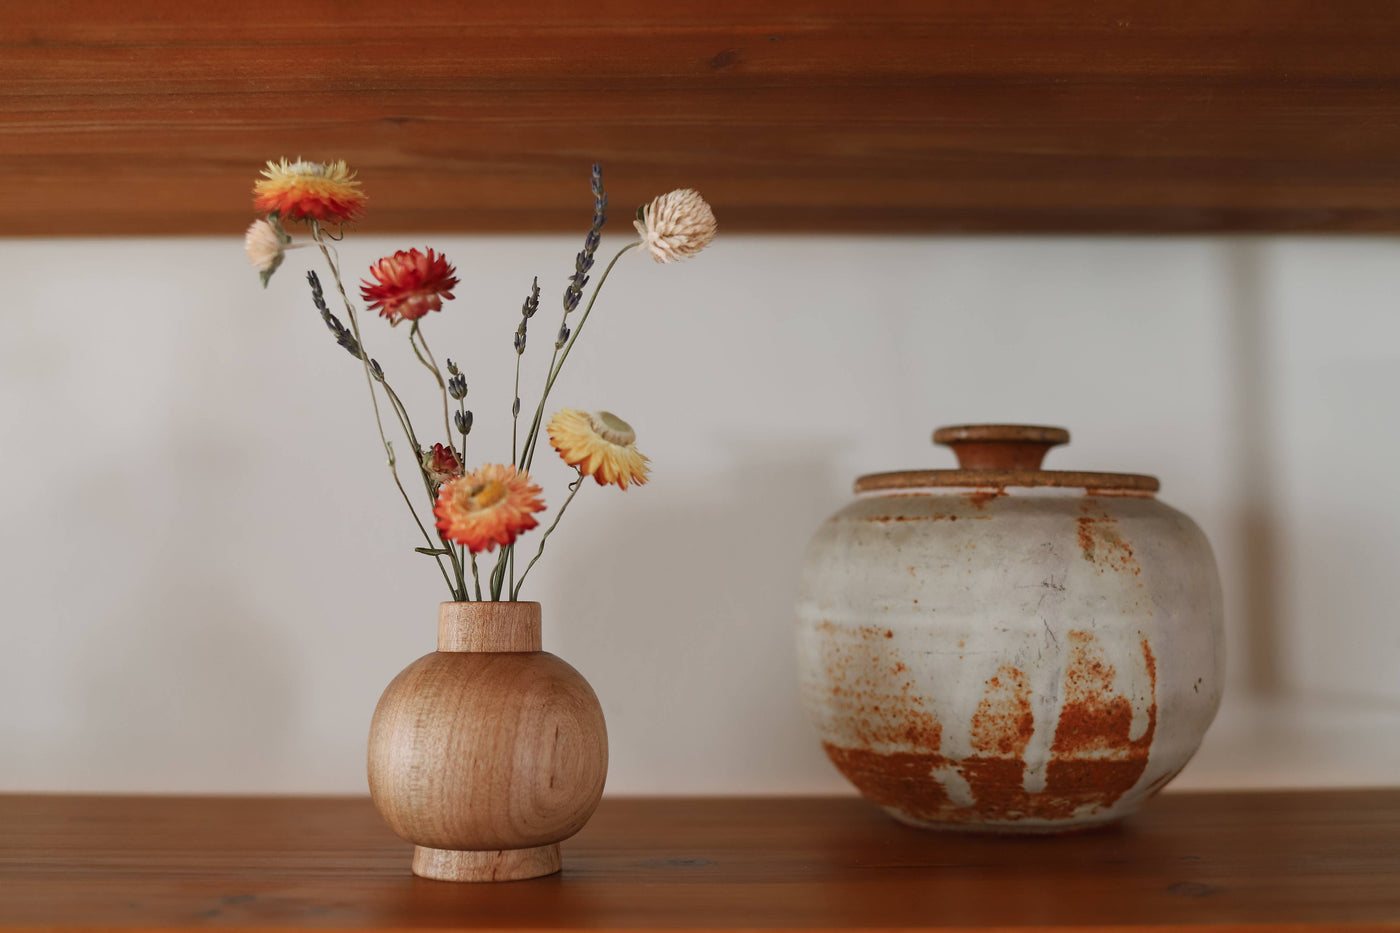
(152, 116)
(496, 865)
(1207, 862)
(480, 751)
(505, 627)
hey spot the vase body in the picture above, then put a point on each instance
(489, 752)
(979, 654)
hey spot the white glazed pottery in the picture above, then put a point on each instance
(1009, 648)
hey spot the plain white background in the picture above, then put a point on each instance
(209, 577)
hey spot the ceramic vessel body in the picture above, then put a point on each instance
(487, 759)
(1032, 659)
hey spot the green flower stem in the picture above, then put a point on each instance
(515, 408)
(419, 522)
(514, 424)
(460, 591)
(532, 439)
(574, 487)
(369, 383)
(432, 365)
(556, 364)
(498, 575)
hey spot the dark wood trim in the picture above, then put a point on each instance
(1043, 116)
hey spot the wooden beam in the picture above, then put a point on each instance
(150, 116)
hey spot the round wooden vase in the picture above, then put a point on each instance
(489, 752)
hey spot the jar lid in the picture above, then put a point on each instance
(1000, 455)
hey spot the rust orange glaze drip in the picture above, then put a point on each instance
(980, 499)
(1095, 721)
(877, 714)
(1093, 762)
(1001, 730)
(1100, 542)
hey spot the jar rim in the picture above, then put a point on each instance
(1000, 479)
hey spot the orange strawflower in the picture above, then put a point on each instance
(300, 190)
(601, 445)
(488, 507)
(409, 284)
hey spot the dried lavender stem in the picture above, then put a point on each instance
(459, 592)
(531, 440)
(462, 407)
(369, 383)
(417, 521)
(515, 407)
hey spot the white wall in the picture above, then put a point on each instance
(209, 578)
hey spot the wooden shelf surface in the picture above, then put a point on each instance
(1210, 862)
(153, 117)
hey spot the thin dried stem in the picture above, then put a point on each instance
(574, 487)
(328, 254)
(432, 365)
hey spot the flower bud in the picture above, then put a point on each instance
(441, 464)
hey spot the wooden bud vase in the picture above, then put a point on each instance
(489, 752)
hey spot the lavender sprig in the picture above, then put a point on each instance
(527, 311)
(532, 303)
(342, 334)
(573, 293)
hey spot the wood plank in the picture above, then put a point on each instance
(1237, 862)
(150, 116)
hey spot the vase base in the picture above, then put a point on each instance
(489, 865)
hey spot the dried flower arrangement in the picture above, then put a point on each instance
(475, 510)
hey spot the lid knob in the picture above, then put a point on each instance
(1000, 446)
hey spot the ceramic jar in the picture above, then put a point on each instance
(488, 752)
(1009, 648)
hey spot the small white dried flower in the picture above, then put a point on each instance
(265, 243)
(676, 225)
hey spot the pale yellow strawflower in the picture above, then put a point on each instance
(600, 445)
(676, 225)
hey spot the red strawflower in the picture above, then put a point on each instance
(441, 464)
(409, 284)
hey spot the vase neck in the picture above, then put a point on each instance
(489, 626)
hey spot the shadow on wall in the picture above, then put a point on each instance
(704, 588)
(1255, 484)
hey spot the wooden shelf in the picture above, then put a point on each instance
(152, 116)
(1259, 861)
